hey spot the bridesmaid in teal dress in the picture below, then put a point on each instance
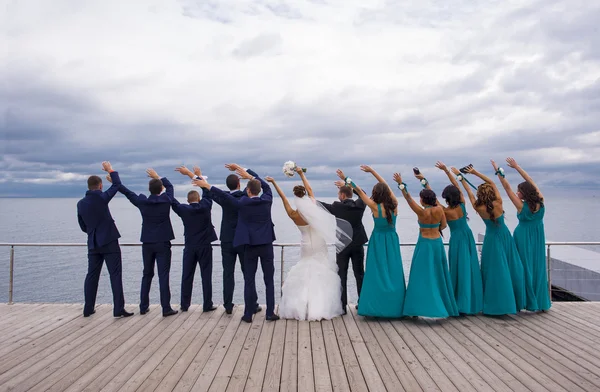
(382, 293)
(501, 268)
(462, 252)
(529, 237)
(429, 292)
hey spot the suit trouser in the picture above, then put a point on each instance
(203, 256)
(159, 252)
(356, 253)
(111, 253)
(251, 255)
(229, 255)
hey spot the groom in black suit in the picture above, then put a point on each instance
(103, 242)
(352, 211)
(255, 232)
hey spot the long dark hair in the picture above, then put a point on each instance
(382, 195)
(452, 196)
(428, 197)
(530, 195)
(486, 197)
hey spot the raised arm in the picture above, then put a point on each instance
(486, 179)
(512, 163)
(309, 190)
(505, 184)
(472, 198)
(356, 189)
(451, 177)
(114, 180)
(369, 169)
(169, 190)
(130, 195)
(216, 194)
(249, 175)
(286, 204)
(417, 209)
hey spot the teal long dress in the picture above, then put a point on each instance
(464, 266)
(501, 270)
(531, 243)
(382, 293)
(429, 292)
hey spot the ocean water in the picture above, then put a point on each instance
(56, 274)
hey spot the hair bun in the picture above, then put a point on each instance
(299, 191)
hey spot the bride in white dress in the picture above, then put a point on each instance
(312, 289)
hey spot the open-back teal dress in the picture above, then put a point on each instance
(464, 266)
(531, 243)
(383, 289)
(501, 270)
(429, 292)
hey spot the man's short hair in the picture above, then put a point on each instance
(193, 196)
(254, 186)
(346, 191)
(94, 183)
(232, 181)
(155, 186)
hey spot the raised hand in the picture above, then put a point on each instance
(270, 179)
(106, 166)
(299, 169)
(197, 171)
(152, 174)
(366, 168)
(512, 163)
(184, 170)
(233, 166)
(339, 183)
(440, 165)
(108, 178)
(469, 169)
(201, 183)
(243, 173)
(419, 176)
(494, 165)
(455, 171)
(340, 174)
(398, 178)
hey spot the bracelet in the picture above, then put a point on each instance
(402, 186)
(424, 182)
(500, 172)
(460, 177)
(349, 181)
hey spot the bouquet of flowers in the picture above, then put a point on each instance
(289, 168)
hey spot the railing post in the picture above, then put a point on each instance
(549, 265)
(11, 268)
(281, 285)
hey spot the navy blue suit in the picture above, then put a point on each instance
(199, 232)
(229, 253)
(103, 245)
(156, 237)
(255, 231)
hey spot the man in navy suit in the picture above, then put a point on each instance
(255, 232)
(230, 253)
(199, 232)
(156, 237)
(103, 242)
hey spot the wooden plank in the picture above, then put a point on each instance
(322, 379)
(242, 367)
(227, 366)
(491, 380)
(353, 370)
(531, 376)
(376, 369)
(558, 321)
(289, 368)
(256, 376)
(434, 370)
(578, 322)
(34, 323)
(272, 378)
(165, 367)
(337, 371)
(306, 377)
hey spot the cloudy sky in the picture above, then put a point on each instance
(327, 83)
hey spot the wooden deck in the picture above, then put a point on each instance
(51, 347)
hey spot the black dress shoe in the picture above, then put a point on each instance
(246, 320)
(170, 313)
(183, 308)
(356, 306)
(89, 314)
(209, 309)
(144, 311)
(258, 309)
(123, 313)
(344, 311)
(272, 318)
(228, 310)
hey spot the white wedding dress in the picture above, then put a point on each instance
(312, 289)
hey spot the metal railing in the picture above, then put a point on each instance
(281, 245)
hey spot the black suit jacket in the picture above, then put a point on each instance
(197, 221)
(351, 211)
(94, 216)
(155, 210)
